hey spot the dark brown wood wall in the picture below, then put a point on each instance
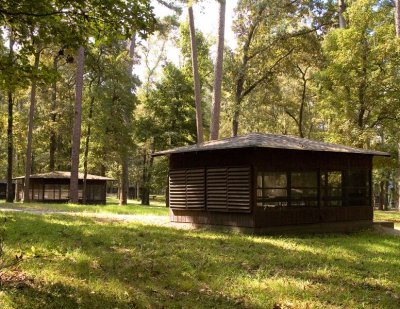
(274, 160)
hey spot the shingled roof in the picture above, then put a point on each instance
(65, 175)
(258, 140)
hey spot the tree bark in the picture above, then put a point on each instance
(341, 10)
(382, 195)
(397, 24)
(53, 119)
(398, 176)
(76, 135)
(196, 77)
(10, 118)
(123, 197)
(216, 101)
(147, 173)
(28, 163)
(86, 153)
(397, 17)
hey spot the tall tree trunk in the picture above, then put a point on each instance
(123, 197)
(145, 194)
(10, 118)
(397, 24)
(382, 194)
(397, 17)
(216, 101)
(28, 163)
(196, 77)
(86, 154)
(76, 135)
(53, 118)
(341, 10)
(147, 173)
(398, 176)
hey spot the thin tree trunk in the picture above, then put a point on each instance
(341, 10)
(10, 118)
(123, 198)
(145, 194)
(397, 24)
(303, 100)
(196, 77)
(398, 176)
(76, 135)
(382, 195)
(28, 163)
(9, 193)
(86, 154)
(216, 101)
(53, 118)
(147, 173)
(397, 17)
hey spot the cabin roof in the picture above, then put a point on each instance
(64, 175)
(275, 141)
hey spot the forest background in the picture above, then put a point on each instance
(319, 69)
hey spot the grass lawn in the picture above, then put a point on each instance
(392, 216)
(156, 207)
(63, 261)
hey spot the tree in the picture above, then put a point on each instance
(76, 134)
(169, 119)
(341, 10)
(266, 31)
(28, 164)
(397, 25)
(196, 76)
(359, 82)
(216, 102)
(10, 145)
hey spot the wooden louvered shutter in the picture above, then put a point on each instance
(228, 189)
(187, 189)
(216, 189)
(195, 189)
(238, 187)
(177, 189)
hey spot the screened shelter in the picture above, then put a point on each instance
(54, 187)
(263, 181)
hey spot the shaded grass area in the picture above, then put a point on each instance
(76, 262)
(156, 207)
(391, 216)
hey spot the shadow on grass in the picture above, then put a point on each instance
(106, 265)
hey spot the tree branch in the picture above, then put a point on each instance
(266, 75)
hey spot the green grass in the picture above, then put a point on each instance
(392, 216)
(156, 207)
(79, 262)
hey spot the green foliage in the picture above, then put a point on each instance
(170, 113)
(359, 85)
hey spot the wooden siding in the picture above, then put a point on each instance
(212, 218)
(269, 160)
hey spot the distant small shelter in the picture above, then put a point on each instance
(54, 187)
(3, 189)
(266, 181)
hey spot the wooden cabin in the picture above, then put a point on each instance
(3, 189)
(53, 187)
(268, 182)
